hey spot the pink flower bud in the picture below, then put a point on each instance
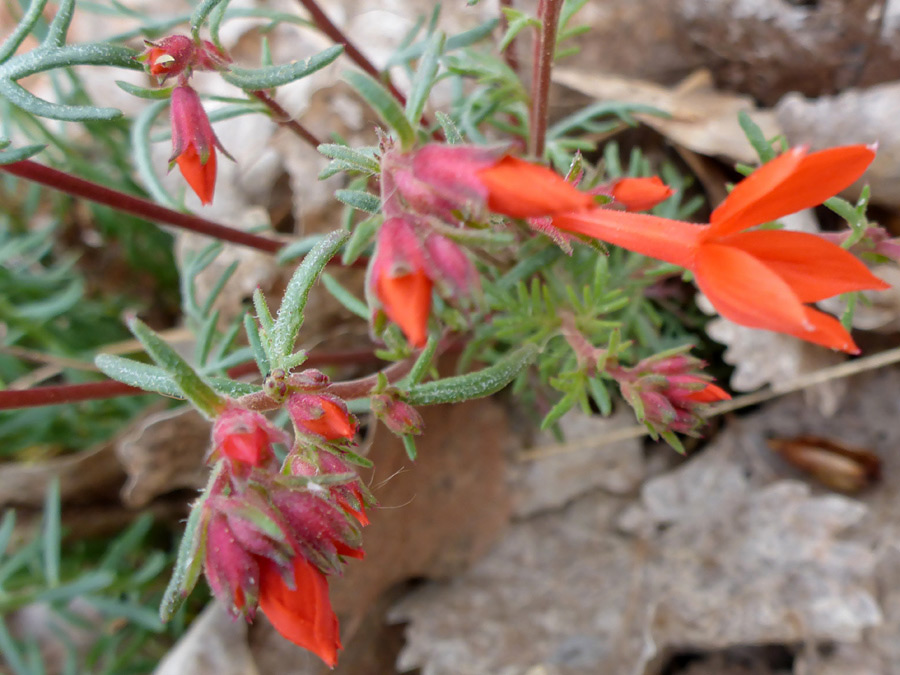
(398, 416)
(232, 571)
(323, 415)
(450, 264)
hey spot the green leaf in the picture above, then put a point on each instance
(384, 104)
(361, 237)
(409, 444)
(6, 530)
(457, 41)
(59, 26)
(290, 314)
(297, 249)
(143, 155)
(274, 76)
(345, 297)
(359, 160)
(474, 385)
(189, 561)
(359, 199)
(51, 533)
(561, 407)
(204, 398)
(135, 613)
(451, 133)
(756, 137)
(420, 368)
(426, 75)
(137, 374)
(18, 154)
(259, 354)
(22, 30)
(143, 92)
(200, 13)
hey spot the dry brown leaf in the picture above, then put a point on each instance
(163, 452)
(701, 118)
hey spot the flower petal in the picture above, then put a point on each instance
(746, 291)
(200, 176)
(673, 241)
(827, 331)
(641, 194)
(814, 268)
(520, 189)
(789, 183)
(301, 614)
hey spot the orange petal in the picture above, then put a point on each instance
(789, 183)
(814, 268)
(520, 189)
(201, 177)
(640, 194)
(673, 241)
(407, 302)
(746, 291)
(303, 614)
(709, 394)
(826, 331)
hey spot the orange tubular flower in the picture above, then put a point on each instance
(761, 279)
(301, 611)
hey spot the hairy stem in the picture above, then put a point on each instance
(544, 49)
(93, 391)
(137, 206)
(282, 117)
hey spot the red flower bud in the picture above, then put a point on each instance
(244, 436)
(352, 497)
(322, 414)
(170, 56)
(194, 143)
(640, 194)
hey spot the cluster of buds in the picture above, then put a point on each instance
(194, 143)
(274, 530)
(668, 391)
(437, 189)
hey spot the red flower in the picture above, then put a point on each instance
(170, 56)
(352, 497)
(194, 143)
(640, 194)
(761, 279)
(300, 608)
(322, 414)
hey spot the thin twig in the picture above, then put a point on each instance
(544, 50)
(283, 117)
(143, 208)
(92, 391)
(510, 54)
(331, 30)
(844, 369)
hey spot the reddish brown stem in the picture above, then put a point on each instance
(544, 49)
(143, 208)
(92, 391)
(331, 30)
(282, 117)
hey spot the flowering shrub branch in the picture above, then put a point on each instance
(547, 276)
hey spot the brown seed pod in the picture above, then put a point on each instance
(841, 467)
